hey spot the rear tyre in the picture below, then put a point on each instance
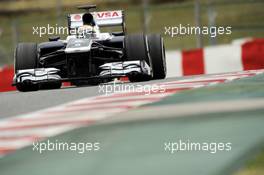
(157, 54)
(26, 57)
(136, 48)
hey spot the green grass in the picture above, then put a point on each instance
(254, 167)
(251, 17)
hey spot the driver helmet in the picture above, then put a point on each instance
(89, 28)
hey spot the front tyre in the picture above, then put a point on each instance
(26, 57)
(157, 55)
(136, 48)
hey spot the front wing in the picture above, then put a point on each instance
(108, 70)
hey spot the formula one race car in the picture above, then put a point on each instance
(89, 57)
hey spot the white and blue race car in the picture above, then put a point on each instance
(88, 56)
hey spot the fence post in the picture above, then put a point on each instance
(145, 19)
(197, 16)
(211, 20)
(59, 12)
(15, 32)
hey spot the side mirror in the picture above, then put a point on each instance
(54, 38)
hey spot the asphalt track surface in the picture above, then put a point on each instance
(17, 103)
(131, 147)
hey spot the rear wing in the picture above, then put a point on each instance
(102, 19)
